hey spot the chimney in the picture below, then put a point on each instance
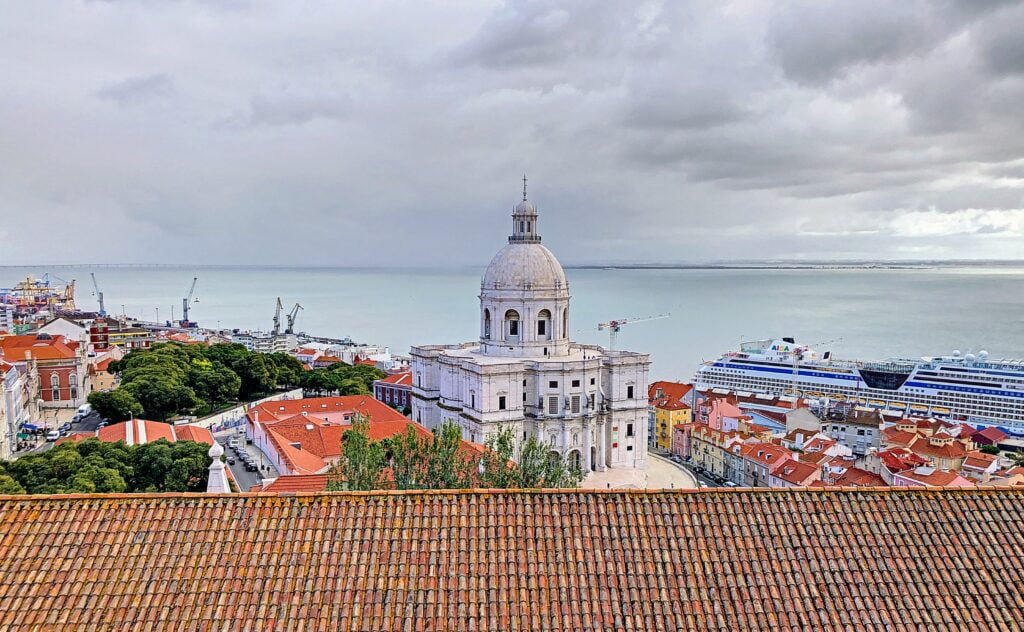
(218, 480)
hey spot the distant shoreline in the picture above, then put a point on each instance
(738, 265)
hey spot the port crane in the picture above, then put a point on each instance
(277, 317)
(185, 322)
(99, 295)
(291, 316)
(613, 326)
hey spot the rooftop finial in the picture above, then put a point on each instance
(524, 187)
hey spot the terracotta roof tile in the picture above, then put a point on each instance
(862, 559)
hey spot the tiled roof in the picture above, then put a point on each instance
(856, 477)
(796, 472)
(931, 476)
(993, 434)
(403, 378)
(140, 431)
(860, 559)
(671, 392)
(952, 450)
(295, 483)
(330, 407)
(56, 347)
(980, 460)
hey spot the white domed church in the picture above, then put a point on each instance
(587, 403)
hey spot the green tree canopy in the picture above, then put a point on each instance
(443, 461)
(93, 466)
(116, 405)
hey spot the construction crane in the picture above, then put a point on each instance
(185, 322)
(99, 295)
(613, 326)
(291, 316)
(277, 317)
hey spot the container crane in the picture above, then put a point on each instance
(277, 317)
(613, 326)
(99, 295)
(185, 322)
(291, 316)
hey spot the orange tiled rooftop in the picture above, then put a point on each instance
(799, 559)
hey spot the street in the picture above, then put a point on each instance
(244, 478)
(89, 423)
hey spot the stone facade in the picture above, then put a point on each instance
(587, 403)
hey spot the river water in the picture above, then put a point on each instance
(874, 313)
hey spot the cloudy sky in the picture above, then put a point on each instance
(376, 133)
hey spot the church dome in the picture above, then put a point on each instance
(524, 266)
(526, 207)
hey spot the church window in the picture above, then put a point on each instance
(575, 404)
(553, 405)
(544, 324)
(528, 228)
(629, 391)
(522, 226)
(629, 430)
(575, 383)
(565, 321)
(487, 324)
(512, 317)
(501, 402)
(472, 399)
(524, 397)
(592, 380)
(553, 384)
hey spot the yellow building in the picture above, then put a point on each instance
(667, 409)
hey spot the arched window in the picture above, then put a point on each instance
(565, 322)
(73, 379)
(512, 320)
(487, 324)
(544, 325)
(54, 380)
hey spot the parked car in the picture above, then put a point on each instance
(65, 428)
(730, 484)
(231, 461)
(676, 458)
(53, 435)
(250, 467)
(103, 424)
(233, 443)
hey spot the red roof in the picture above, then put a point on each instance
(139, 431)
(935, 478)
(672, 394)
(952, 450)
(55, 347)
(767, 454)
(404, 378)
(295, 483)
(366, 362)
(796, 472)
(980, 460)
(856, 477)
(558, 560)
(993, 434)
(330, 408)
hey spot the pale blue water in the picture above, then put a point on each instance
(877, 313)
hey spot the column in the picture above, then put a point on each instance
(586, 445)
(601, 439)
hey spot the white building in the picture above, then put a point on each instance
(589, 404)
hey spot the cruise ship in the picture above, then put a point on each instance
(970, 388)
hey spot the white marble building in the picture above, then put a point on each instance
(588, 403)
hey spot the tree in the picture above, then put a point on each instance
(990, 449)
(362, 461)
(538, 465)
(257, 373)
(116, 405)
(10, 486)
(95, 467)
(161, 396)
(408, 455)
(289, 369)
(448, 466)
(214, 382)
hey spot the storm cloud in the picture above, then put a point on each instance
(397, 133)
